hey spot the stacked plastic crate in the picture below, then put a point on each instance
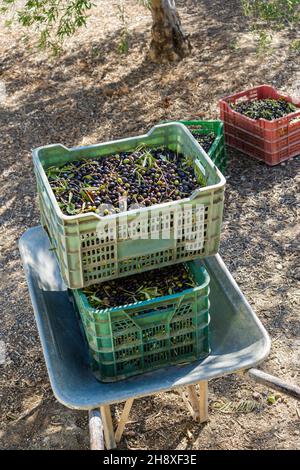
(210, 136)
(142, 336)
(271, 141)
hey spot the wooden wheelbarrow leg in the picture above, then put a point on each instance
(101, 424)
(191, 401)
(203, 401)
(198, 406)
(123, 419)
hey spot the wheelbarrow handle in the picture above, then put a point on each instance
(274, 382)
(96, 430)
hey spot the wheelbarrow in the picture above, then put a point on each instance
(239, 342)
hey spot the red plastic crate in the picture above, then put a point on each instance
(269, 141)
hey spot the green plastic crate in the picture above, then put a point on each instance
(148, 335)
(92, 249)
(217, 151)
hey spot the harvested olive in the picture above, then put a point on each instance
(147, 176)
(268, 109)
(205, 140)
(140, 287)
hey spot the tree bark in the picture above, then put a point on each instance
(168, 43)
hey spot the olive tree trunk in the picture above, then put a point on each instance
(168, 43)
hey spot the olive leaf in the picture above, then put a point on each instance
(71, 208)
(148, 293)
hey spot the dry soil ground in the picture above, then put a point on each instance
(93, 94)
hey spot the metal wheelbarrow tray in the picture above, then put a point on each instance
(238, 340)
